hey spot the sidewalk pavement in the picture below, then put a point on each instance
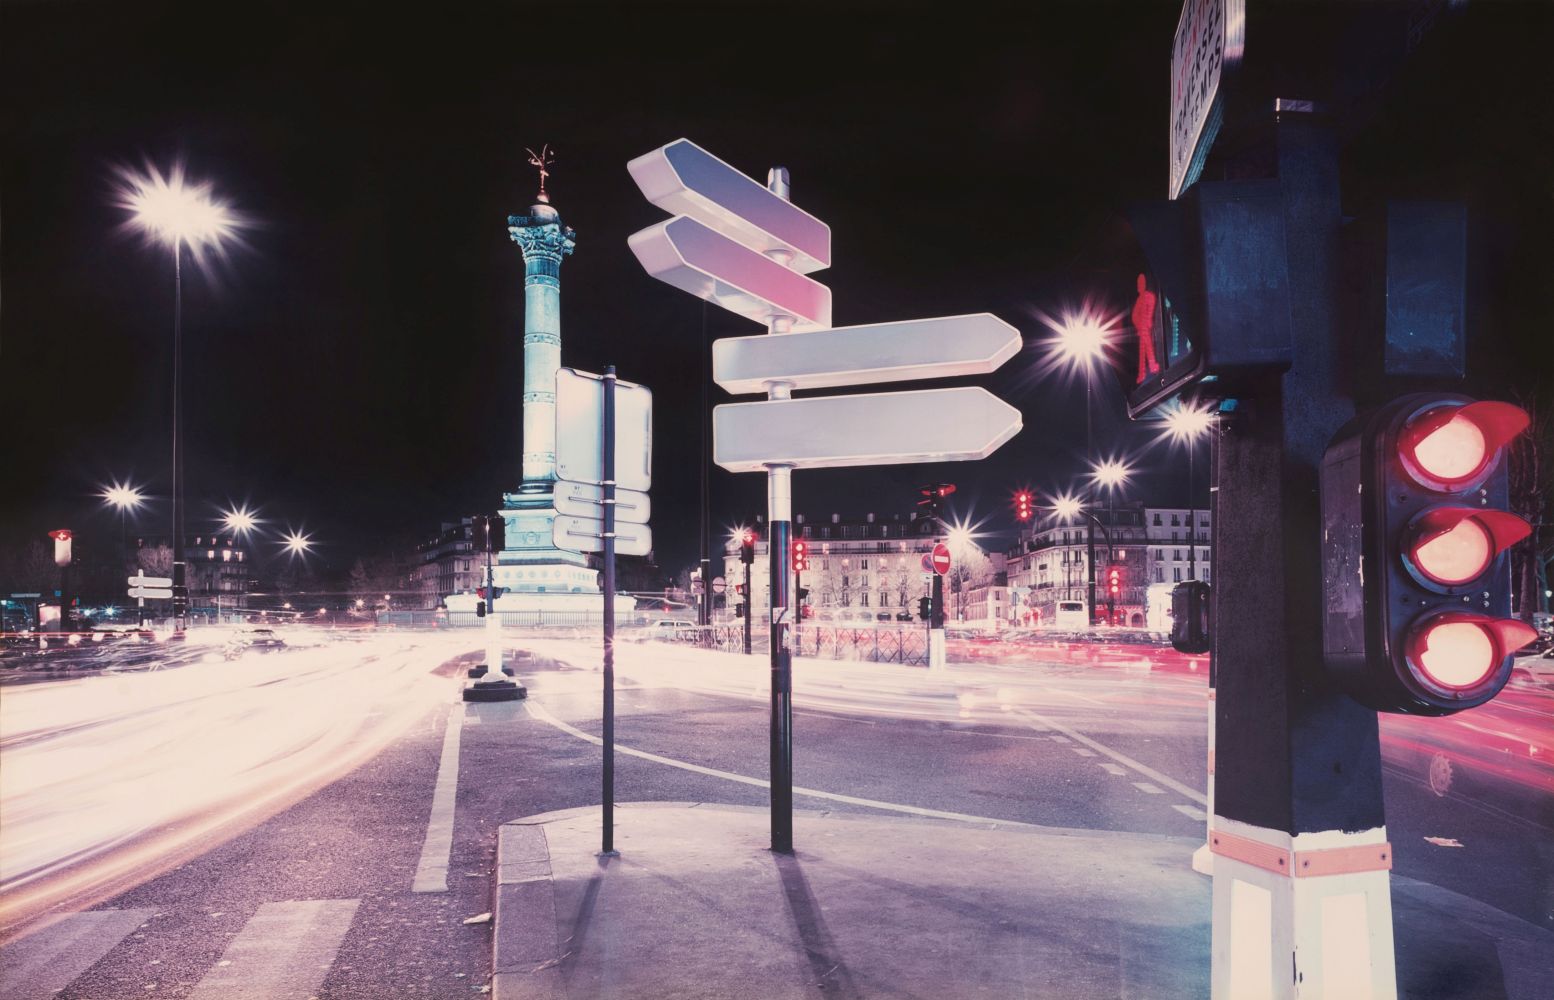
(885, 906)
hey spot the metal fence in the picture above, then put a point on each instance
(826, 642)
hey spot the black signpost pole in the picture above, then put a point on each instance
(607, 463)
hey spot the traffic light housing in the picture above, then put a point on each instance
(1114, 583)
(1022, 506)
(1190, 617)
(800, 555)
(933, 495)
(480, 609)
(1415, 577)
(924, 607)
(747, 547)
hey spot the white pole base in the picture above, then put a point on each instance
(1305, 917)
(936, 659)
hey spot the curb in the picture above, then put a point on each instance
(525, 952)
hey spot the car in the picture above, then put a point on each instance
(672, 629)
(903, 616)
(254, 640)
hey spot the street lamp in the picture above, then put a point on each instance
(125, 498)
(1186, 423)
(240, 521)
(1112, 474)
(168, 211)
(296, 543)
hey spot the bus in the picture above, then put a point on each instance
(1071, 615)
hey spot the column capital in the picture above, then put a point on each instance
(538, 237)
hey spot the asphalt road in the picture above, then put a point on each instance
(316, 895)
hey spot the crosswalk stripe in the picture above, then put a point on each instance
(51, 957)
(283, 952)
(1191, 812)
(1147, 788)
(431, 872)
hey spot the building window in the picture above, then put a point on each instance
(864, 564)
(1176, 574)
(1175, 520)
(1160, 574)
(1157, 519)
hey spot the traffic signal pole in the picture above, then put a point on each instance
(1298, 835)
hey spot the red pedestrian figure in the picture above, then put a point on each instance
(1144, 323)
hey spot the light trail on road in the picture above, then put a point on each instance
(107, 775)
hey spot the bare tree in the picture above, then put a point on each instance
(1532, 480)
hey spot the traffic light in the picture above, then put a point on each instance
(1114, 582)
(800, 555)
(480, 609)
(747, 547)
(924, 607)
(739, 589)
(933, 496)
(1190, 617)
(1416, 583)
(739, 610)
(1022, 505)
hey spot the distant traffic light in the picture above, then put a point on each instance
(1416, 583)
(800, 555)
(1022, 505)
(480, 609)
(924, 607)
(1114, 582)
(747, 547)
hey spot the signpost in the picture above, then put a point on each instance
(747, 248)
(142, 586)
(604, 439)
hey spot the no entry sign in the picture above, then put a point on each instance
(941, 558)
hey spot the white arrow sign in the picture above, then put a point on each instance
(149, 581)
(693, 258)
(933, 425)
(855, 355)
(149, 591)
(585, 534)
(684, 179)
(586, 500)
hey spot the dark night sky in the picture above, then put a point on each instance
(355, 368)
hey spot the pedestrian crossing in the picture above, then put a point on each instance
(284, 951)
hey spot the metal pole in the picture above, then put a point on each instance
(1090, 561)
(1192, 528)
(705, 616)
(180, 580)
(779, 505)
(749, 601)
(607, 458)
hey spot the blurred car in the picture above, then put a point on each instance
(254, 640)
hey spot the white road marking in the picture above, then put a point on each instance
(284, 950)
(1148, 789)
(1112, 769)
(1081, 751)
(431, 873)
(44, 962)
(536, 710)
(1191, 812)
(1121, 758)
(1057, 739)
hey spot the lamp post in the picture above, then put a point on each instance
(124, 498)
(175, 214)
(1111, 474)
(1187, 423)
(1081, 341)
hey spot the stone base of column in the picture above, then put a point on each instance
(1306, 916)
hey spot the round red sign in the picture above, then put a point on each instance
(941, 558)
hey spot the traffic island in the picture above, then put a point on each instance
(696, 906)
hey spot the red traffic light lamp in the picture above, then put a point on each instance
(1416, 585)
(1114, 582)
(800, 555)
(747, 546)
(1022, 505)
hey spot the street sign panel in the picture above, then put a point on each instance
(684, 179)
(580, 414)
(583, 534)
(693, 258)
(933, 425)
(1207, 49)
(927, 562)
(941, 347)
(150, 592)
(149, 581)
(940, 558)
(587, 500)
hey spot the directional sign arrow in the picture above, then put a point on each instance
(858, 355)
(587, 500)
(149, 592)
(932, 425)
(149, 581)
(693, 258)
(584, 534)
(684, 179)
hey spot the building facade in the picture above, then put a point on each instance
(1178, 548)
(447, 564)
(1048, 563)
(865, 569)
